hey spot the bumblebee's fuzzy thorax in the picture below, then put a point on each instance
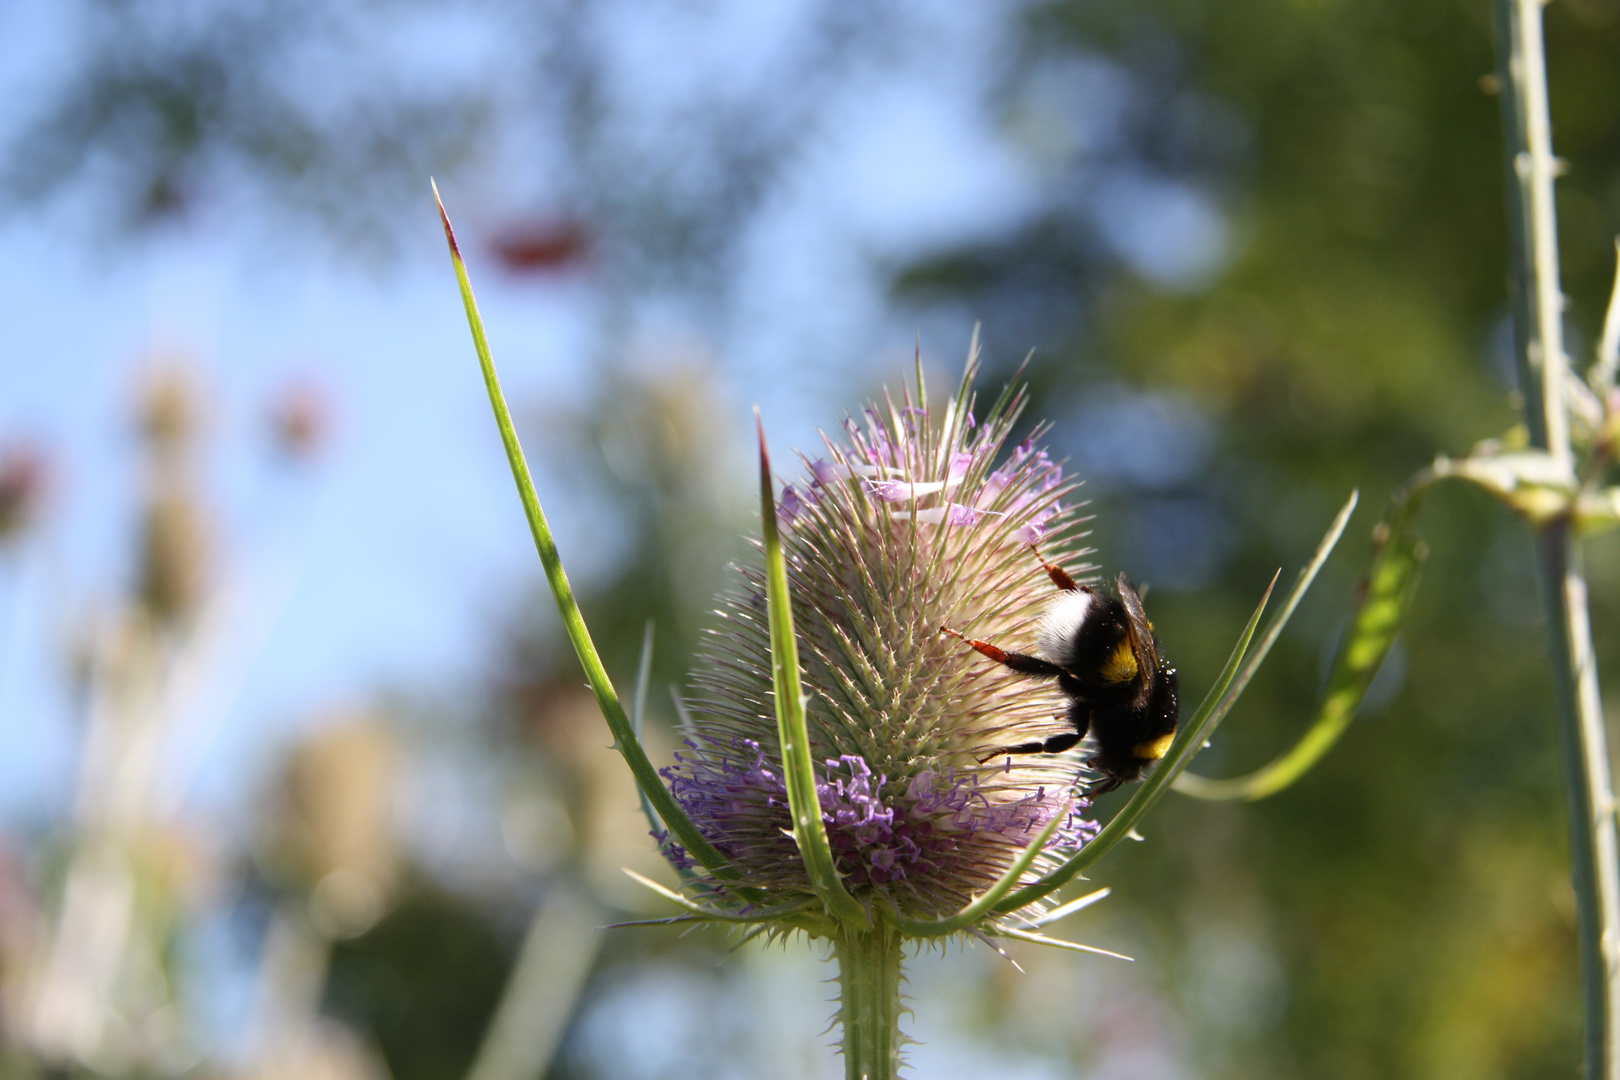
(1085, 633)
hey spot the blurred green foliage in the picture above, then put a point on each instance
(422, 982)
(1414, 887)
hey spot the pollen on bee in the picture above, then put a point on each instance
(1153, 751)
(1121, 664)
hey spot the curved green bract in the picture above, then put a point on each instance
(1386, 596)
(638, 722)
(985, 903)
(1191, 736)
(798, 758)
(638, 716)
(1240, 668)
(758, 915)
(606, 697)
(1054, 943)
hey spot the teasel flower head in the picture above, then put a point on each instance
(906, 521)
(839, 777)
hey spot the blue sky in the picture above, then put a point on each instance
(386, 567)
(383, 566)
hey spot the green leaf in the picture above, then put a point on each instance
(798, 757)
(1386, 595)
(1597, 511)
(606, 697)
(1539, 486)
(1307, 576)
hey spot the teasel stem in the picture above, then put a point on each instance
(1538, 304)
(869, 999)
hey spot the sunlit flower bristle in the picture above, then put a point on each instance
(907, 523)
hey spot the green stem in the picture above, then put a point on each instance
(869, 999)
(1538, 304)
(1583, 750)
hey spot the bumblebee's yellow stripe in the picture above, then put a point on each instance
(1120, 666)
(1153, 751)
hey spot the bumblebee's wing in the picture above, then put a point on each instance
(1142, 644)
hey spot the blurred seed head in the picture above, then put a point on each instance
(331, 828)
(169, 409)
(24, 478)
(173, 560)
(174, 557)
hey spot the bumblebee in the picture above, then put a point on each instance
(1102, 651)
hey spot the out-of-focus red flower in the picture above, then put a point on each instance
(300, 420)
(541, 246)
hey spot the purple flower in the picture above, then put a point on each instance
(791, 505)
(927, 840)
(900, 491)
(950, 514)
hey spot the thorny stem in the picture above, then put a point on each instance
(869, 999)
(1538, 304)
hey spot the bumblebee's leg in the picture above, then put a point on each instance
(1019, 662)
(1060, 577)
(1110, 782)
(1079, 715)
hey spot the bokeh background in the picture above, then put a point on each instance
(297, 776)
